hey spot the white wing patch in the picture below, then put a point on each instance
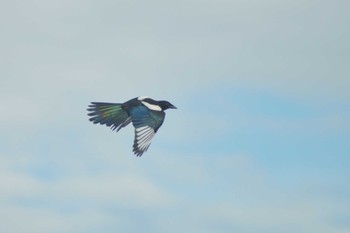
(142, 97)
(152, 106)
(143, 138)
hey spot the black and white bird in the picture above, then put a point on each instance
(146, 114)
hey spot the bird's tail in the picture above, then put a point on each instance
(109, 114)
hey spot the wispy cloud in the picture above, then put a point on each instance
(258, 143)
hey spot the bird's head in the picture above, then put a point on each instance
(165, 105)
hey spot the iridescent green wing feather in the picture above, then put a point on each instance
(109, 114)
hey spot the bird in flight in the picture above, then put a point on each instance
(146, 115)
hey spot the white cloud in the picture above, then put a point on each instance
(217, 194)
(16, 219)
(117, 190)
(125, 189)
(59, 56)
(101, 49)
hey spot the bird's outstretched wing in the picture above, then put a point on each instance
(146, 123)
(109, 114)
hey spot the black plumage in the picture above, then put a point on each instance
(146, 114)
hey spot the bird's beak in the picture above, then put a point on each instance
(172, 106)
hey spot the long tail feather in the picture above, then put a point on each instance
(109, 114)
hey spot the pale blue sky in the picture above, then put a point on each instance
(259, 142)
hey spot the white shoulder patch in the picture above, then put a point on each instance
(152, 106)
(142, 97)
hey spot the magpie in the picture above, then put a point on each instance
(146, 115)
